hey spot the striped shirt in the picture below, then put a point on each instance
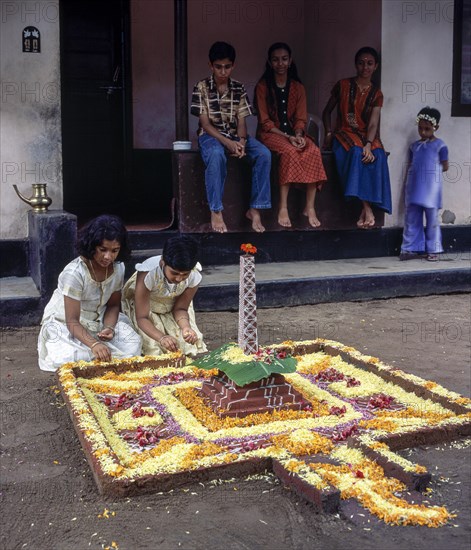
(224, 111)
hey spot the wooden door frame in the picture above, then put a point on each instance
(126, 64)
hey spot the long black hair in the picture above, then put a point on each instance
(97, 230)
(269, 76)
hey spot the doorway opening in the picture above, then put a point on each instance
(102, 171)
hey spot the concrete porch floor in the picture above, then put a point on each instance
(309, 282)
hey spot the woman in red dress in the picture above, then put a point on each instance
(280, 99)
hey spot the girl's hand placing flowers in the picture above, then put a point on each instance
(101, 351)
(189, 335)
(168, 342)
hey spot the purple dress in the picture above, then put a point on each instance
(424, 197)
(424, 179)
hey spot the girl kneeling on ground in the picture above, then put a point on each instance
(158, 299)
(82, 320)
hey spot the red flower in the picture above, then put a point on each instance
(344, 434)
(338, 411)
(330, 375)
(380, 401)
(352, 382)
(248, 248)
(268, 355)
(144, 436)
(138, 411)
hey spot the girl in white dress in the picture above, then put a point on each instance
(82, 320)
(158, 299)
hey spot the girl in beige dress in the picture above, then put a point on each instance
(158, 299)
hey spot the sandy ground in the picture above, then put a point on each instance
(49, 499)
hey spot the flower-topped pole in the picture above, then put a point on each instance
(231, 359)
(248, 339)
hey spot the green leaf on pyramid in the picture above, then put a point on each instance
(243, 373)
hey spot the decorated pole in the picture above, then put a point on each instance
(248, 339)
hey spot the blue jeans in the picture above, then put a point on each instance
(215, 159)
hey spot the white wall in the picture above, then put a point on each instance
(417, 59)
(30, 121)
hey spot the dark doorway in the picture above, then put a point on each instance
(102, 172)
(94, 106)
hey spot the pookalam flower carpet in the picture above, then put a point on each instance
(146, 425)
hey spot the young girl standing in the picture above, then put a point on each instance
(428, 158)
(158, 298)
(82, 320)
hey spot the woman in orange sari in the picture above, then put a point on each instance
(359, 154)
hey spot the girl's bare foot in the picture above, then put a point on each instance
(217, 222)
(367, 218)
(361, 219)
(283, 217)
(253, 215)
(313, 219)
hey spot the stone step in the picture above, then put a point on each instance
(18, 287)
(20, 302)
(141, 255)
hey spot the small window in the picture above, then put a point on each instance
(31, 40)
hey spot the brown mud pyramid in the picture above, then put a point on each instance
(267, 394)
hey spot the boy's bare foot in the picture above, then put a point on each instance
(254, 215)
(283, 217)
(313, 219)
(217, 222)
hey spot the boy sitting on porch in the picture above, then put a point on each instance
(222, 105)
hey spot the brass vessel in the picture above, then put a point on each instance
(39, 200)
